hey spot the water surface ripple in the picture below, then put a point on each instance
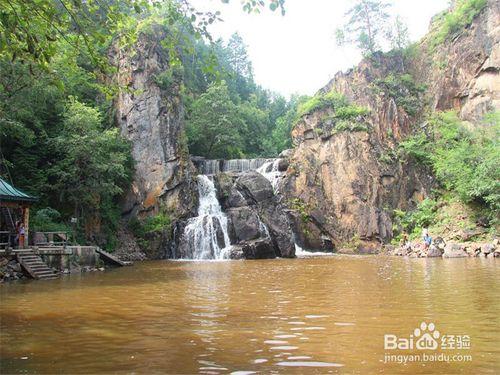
(315, 315)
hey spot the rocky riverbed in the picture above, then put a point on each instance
(450, 249)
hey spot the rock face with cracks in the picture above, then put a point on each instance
(151, 116)
(344, 185)
(258, 223)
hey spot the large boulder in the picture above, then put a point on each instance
(255, 186)
(434, 252)
(254, 213)
(454, 250)
(278, 224)
(243, 224)
(258, 249)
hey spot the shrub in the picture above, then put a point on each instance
(302, 208)
(48, 220)
(156, 223)
(405, 91)
(464, 159)
(412, 221)
(450, 23)
(168, 78)
(153, 224)
(350, 112)
(351, 126)
(345, 116)
(417, 148)
(332, 99)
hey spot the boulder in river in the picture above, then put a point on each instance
(255, 213)
(454, 250)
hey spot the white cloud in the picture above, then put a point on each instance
(296, 53)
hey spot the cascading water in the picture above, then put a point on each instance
(271, 172)
(215, 166)
(206, 234)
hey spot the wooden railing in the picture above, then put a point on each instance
(4, 239)
(50, 238)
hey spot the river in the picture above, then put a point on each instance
(313, 315)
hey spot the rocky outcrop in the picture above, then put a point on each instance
(344, 185)
(463, 73)
(129, 250)
(448, 249)
(258, 224)
(149, 113)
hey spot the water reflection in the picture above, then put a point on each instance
(309, 315)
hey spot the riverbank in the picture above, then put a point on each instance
(450, 249)
(53, 260)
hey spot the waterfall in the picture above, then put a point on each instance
(206, 234)
(214, 166)
(270, 170)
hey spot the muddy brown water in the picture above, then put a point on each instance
(314, 315)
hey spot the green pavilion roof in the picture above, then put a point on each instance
(10, 194)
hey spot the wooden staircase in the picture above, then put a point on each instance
(34, 265)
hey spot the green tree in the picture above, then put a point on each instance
(398, 35)
(367, 21)
(238, 57)
(32, 29)
(214, 123)
(281, 134)
(94, 165)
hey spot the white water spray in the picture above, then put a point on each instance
(206, 234)
(270, 171)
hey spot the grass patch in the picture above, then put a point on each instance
(451, 23)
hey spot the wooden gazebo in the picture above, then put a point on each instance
(14, 206)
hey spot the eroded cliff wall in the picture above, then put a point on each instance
(150, 115)
(344, 185)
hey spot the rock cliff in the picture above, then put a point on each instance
(149, 113)
(259, 226)
(344, 184)
(463, 73)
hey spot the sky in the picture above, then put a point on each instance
(297, 53)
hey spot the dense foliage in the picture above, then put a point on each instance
(62, 149)
(57, 134)
(465, 158)
(411, 222)
(228, 115)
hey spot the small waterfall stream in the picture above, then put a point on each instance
(206, 234)
(215, 166)
(270, 170)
